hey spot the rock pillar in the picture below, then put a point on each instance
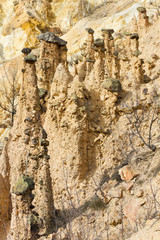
(52, 52)
(32, 197)
(89, 51)
(99, 61)
(143, 22)
(136, 62)
(108, 42)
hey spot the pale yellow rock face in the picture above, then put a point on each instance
(70, 12)
(151, 232)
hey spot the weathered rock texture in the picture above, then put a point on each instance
(32, 207)
(52, 52)
(82, 158)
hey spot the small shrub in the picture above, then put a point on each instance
(95, 203)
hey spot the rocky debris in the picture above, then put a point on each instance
(127, 173)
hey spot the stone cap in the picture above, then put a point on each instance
(141, 9)
(134, 36)
(99, 42)
(89, 30)
(108, 31)
(30, 58)
(51, 38)
(112, 85)
(26, 50)
(24, 185)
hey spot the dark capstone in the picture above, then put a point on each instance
(141, 9)
(27, 131)
(51, 38)
(146, 79)
(30, 58)
(44, 142)
(89, 30)
(99, 42)
(112, 85)
(134, 36)
(42, 93)
(26, 50)
(153, 148)
(15, 3)
(43, 133)
(28, 119)
(109, 31)
(24, 185)
(145, 91)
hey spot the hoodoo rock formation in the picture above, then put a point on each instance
(30, 186)
(52, 52)
(79, 157)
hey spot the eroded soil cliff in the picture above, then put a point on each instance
(81, 158)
